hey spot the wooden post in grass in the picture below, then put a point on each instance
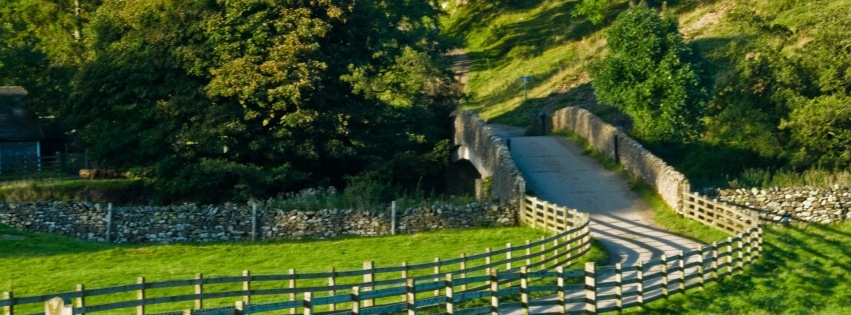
(618, 287)
(508, 257)
(664, 272)
(8, 309)
(639, 278)
(524, 289)
(494, 291)
(436, 274)
(714, 261)
(528, 253)
(555, 252)
(332, 281)
(488, 262)
(246, 286)
(140, 295)
(292, 285)
(239, 307)
(590, 288)
(681, 265)
(450, 304)
(199, 290)
(355, 300)
(81, 301)
(411, 296)
(308, 303)
(729, 256)
(560, 288)
(368, 278)
(543, 255)
(405, 276)
(463, 267)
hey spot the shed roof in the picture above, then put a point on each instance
(15, 124)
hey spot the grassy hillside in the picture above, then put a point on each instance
(778, 68)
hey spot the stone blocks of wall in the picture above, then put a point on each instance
(192, 223)
(809, 204)
(493, 157)
(637, 160)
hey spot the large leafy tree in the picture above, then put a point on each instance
(264, 96)
(652, 76)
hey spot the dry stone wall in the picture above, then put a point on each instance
(637, 160)
(192, 223)
(809, 204)
(472, 133)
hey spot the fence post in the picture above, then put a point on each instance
(292, 285)
(524, 289)
(81, 301)
(740, 252)
(543, 255)
(494, 291)
(590, 288)
(404, 276)
(368, 278)
(508, 257)
(463, 267)
(618, 287)
(528, 253)
(332, 281)
(308, 303)
(664, 266)
(199, 290)
(639, 277)
(436, 274)
(759, 241)
(140, 296)
(700, 272)
(254, 222)
(239, 307)
(488, 261)
(109, 223)
(450, 304)
(555, 252)
(393, 217)
(730, 256)
(560, 288)
(715, 261)
(246, 286)
(355, 300)
(682, 268)
(9, 309)
(411, 296)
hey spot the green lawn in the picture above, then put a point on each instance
(806, 269)
(41, 263)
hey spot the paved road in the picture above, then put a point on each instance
(556, 171)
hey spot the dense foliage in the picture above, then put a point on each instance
(652, 75)
(210, 100)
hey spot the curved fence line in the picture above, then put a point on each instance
(571, 241)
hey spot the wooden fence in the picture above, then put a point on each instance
(333, 288)
(725, 217)
(528, 278)
(47, 163)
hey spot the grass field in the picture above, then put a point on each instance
(806, 269)
(41, 263)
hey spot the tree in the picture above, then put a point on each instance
(263, 96)
(652, 76)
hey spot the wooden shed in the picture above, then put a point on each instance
(20, 133)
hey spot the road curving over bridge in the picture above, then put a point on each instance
(556, 170)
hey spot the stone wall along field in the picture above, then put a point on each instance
(809, 204)
(192, 223)
(616, 144)
(488, 152)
